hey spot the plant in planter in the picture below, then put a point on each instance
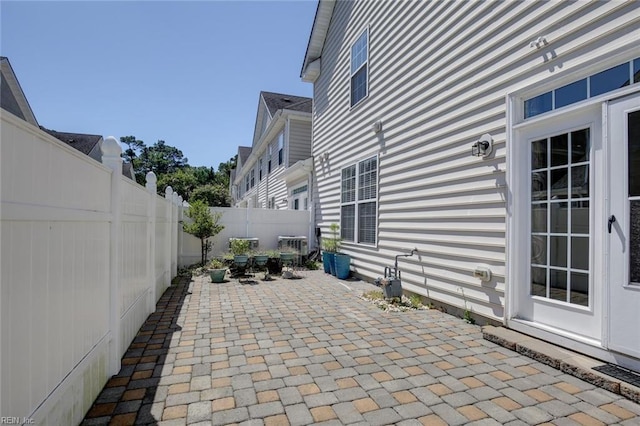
(260, 258)
(273, 262)
(240, 249)
(287, 255)
(217, 270)
(204, 225)
(330, 246)
(287, 259)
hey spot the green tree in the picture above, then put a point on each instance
(159, 158)
(205, 225)
(133, 147)
(183, 181)
(213, 195)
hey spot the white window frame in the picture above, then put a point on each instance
(260, 167)
(253, 177)
(281, 148)
(352, 72)
(357, 202)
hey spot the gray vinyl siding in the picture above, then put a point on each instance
(439, 74)
(271, 184)
(299, 141)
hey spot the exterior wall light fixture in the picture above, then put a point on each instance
(483, 146)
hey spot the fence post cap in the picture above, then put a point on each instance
(168, 192)
(111, 147)
(151, 178)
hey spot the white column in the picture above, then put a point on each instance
(111, 151)
(151, 186)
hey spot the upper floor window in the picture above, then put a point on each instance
(606, 81)
(358, 197)
(359, 68)
(269, 154)
(246, 183)
(253, 177)
(280, 148)
(260, 169)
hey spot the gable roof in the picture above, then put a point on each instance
(278, 101)
(243, 153)
(12, 97)
(82, 142)
(319, 31)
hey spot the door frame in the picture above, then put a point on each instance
(622, 209)
(596, 348)
(565, 121)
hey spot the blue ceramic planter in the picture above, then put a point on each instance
(343, 266)
(326, 261)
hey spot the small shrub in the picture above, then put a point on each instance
(312, 265)
(373, 295)
(415, 300)
(239, 246)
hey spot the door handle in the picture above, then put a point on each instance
(612, 219)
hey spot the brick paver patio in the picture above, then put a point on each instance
(297, 352)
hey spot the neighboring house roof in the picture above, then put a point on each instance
(243, 153)
(277, 101)
(319, 31)
(127, 170)
(82, 142)
(12, 97)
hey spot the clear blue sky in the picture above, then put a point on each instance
(189, 73)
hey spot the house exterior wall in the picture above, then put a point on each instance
(438, 77)
(297, 146)
(299, 141)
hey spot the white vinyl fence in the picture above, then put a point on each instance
(264, 224)
(85, 254)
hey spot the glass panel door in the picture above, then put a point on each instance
(560, 201)
(624, 225)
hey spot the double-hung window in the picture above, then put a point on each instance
(269, 154)
(280, 148)
(260, 169)
(359, 68)
(358, 198)
(253, 177)
(246, 183)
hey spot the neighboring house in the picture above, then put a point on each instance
(87, 144)
(90, 145)
(271, 174)
(12, 97)
(408, 99)
(13, 100)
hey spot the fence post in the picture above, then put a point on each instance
(179, 232)
(111, 151)
(174, 235)
(152, 186)
(168, 194)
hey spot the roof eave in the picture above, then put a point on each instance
(318, 34)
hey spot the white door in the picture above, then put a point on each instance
(624, 224)
(556, 280)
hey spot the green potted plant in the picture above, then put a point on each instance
(260, 259)
(287, 255)
(273, 262)
(330, 246)
(217, 270)
(240, 249)
(204, 225)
